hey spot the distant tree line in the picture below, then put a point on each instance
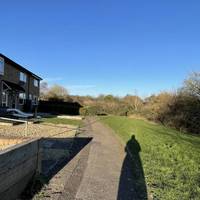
(179, 109)
(55, 92)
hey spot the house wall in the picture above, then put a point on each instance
(33, 90)
(9, 75)
(12, 74)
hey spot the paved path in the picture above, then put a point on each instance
(107, 174)
(100, 170)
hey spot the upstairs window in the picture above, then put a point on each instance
(22, 98)
(1, 66)
(23, 77)
(36, 83)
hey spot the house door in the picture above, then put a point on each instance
(14, 101)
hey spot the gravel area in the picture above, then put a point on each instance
(7, 142)
(38, 130)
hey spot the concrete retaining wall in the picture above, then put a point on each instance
(18, 164)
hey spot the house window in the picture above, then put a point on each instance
(4, 99)
(1, 66)
(23, 77)
(30, 96)
(36, 83)
(22, 98)
(35, 100)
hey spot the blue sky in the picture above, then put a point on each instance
(104, 46)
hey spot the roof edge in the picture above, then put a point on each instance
(8, 60)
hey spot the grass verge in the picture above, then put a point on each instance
(170, 159)
(55, 120)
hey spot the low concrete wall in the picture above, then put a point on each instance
(18, 164)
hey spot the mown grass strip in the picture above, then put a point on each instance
(170, 159)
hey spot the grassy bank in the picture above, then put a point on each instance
(170, 159)
(55, 120)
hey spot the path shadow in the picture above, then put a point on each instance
(132, 185)
(56, 154)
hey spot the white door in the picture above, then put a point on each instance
(4, 99)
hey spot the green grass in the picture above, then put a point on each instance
(55, 120)
(170, 159)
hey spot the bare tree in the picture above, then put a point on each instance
(57, 92)
(43, 90)
(134, 102)
(192, 84)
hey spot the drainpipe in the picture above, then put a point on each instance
(28, 93)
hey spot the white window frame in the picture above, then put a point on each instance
(22, 77)
(23, 98)
(36, 82)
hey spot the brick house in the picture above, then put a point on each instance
(19, 88)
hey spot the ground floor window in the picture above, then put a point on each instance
(35, 100)
(22, 98)
(4, 99)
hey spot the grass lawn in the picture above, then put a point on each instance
(55, 120)
(170, 159)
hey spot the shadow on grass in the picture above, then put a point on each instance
(56, 154)
(132, 185)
